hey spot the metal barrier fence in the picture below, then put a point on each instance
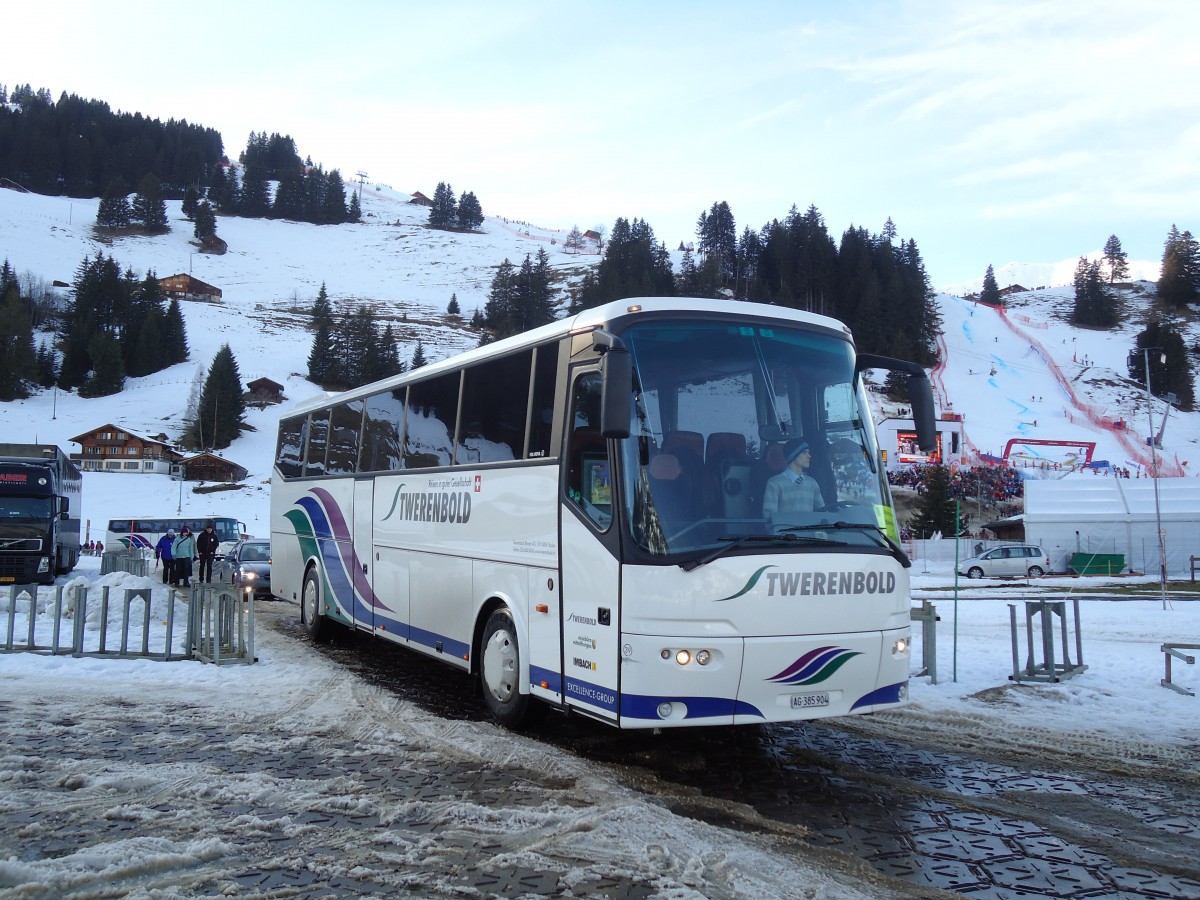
(135, 563)
(927, 615)
(217, 624)
(1047, 667)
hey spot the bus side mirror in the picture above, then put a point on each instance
(616, 394)
(64, 506)
(920, 394)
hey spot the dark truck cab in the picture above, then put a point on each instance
(41, 494)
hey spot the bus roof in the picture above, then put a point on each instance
(584, 321)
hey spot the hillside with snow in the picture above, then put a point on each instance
(1024, 373)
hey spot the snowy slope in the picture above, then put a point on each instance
(273, 270)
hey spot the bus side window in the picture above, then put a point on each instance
(381, 450)
(431, 419)
(344, 426)
(318, 443)
(589, 484)
(495, 398)
(290, 451)
(541, 426)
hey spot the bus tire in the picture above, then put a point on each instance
(500, 671)
(311, 613)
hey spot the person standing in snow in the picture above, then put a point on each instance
(183, 550)
(163, 551)
(206, 549)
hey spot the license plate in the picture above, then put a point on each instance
(808, 701)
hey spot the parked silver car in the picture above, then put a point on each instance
(247, 567)
(1017, 561)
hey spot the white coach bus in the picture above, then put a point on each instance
(575, 515)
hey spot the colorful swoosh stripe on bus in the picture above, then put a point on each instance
(322, 531)
(815, 666)
(135, 542)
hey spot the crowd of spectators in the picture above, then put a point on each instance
(993, 483)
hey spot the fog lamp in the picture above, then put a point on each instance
(665, 710)
(683, 657)
(703, 657)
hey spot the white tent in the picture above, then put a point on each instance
(1103, 514)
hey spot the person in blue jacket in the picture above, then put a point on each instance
(164, 551)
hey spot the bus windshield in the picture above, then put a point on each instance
(748, 433)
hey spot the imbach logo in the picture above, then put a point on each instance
(812, 584)
(430, 506)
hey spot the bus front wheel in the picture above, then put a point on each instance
(500, 669)
(310, 607)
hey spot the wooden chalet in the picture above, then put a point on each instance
(112, 449)
(185, 287)
(210, 467)
(420, 199)
(263, 392)
(213, 244)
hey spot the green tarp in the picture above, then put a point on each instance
(1097, 563)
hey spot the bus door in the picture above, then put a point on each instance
(590, 569)
(363, 557)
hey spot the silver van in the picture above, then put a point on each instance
(1018, 561)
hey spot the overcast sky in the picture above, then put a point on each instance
(991, 132)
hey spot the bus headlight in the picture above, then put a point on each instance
(900, 646)
(703, 657)
(683, 657)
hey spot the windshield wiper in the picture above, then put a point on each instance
(785, 540)
(883, 538)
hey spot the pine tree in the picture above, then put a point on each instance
(175, 345)
(322, 310)
(18, 360)
(354, 213)
(936, 508)
(444, 212)
(221, 408)
(191, 200)
(108, 368)
(418, 357)
(1179, 277)
(452, 308)
(254, 197)
(1095, 303)
(1169, 363)
(320, 360)
(114, 211)
(333, 204)
(717, 234)
(991, 291)
(149, 207)
(470, 213)
(500, 311)
(289, 197)
(206, 221)
(1117, 259)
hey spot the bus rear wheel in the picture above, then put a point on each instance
(311, 613)
(499, 671)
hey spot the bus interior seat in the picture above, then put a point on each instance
(688, 448)
(673, 492)
(727, 468)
